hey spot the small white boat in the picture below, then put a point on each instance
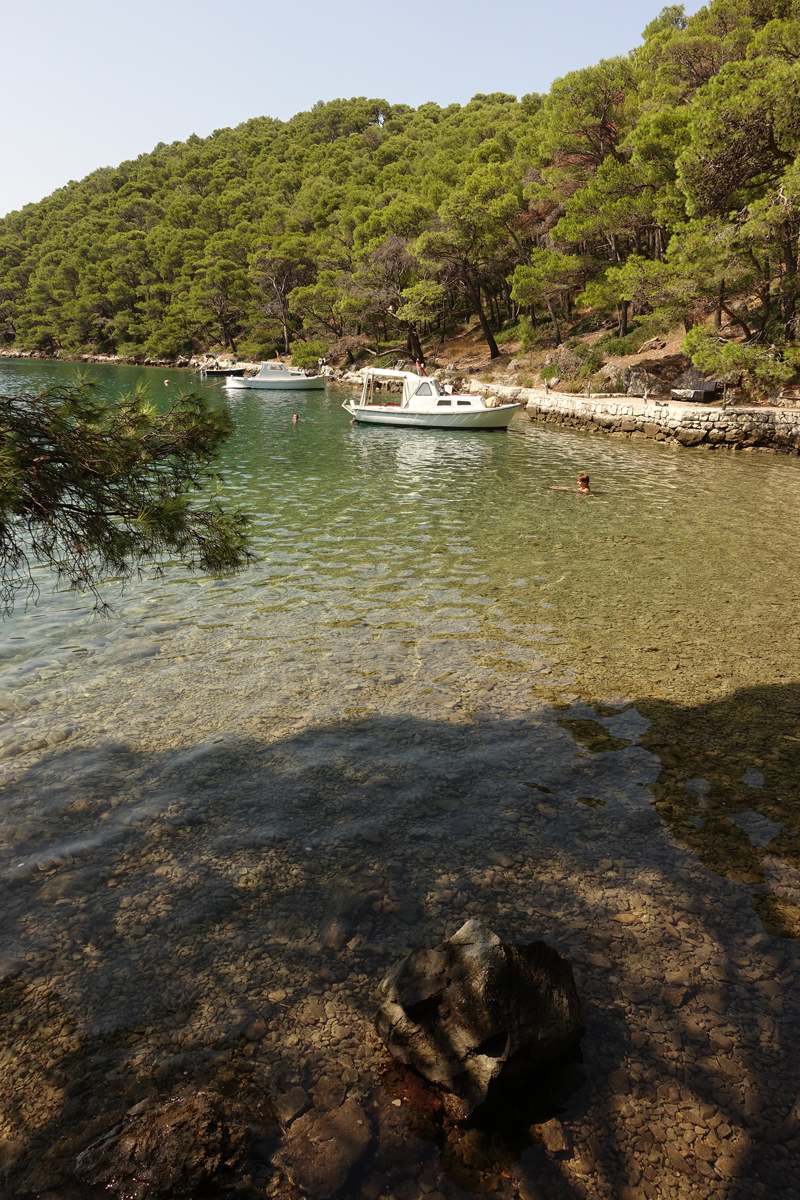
(279, 378)
(403, 398)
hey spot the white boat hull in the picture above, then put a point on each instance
(476, 418)
(297, 383)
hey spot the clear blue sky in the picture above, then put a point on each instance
(90, 83)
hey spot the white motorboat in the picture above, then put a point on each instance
(277, 377)
(403, 398)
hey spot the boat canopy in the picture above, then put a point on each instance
(378, 379)
(267, 367)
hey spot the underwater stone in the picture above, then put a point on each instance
(322, 1147)
(169, 1150)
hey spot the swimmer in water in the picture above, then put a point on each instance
(582, 489)
(295, 419)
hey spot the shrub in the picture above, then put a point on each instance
(761, 368)
(307, 354)
(592, 362)
(511, 333)
(633, 340)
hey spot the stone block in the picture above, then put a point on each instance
(690, 437)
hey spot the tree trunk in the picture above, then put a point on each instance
(789, 290)
(737, 320)
(659, 244)
(280, 297)
(414, 346)
(475, 297)
(556, 330)
(509, 302)
(622, 311)
(718, 309)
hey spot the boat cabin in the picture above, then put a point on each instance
(268, 368)
(415, 393)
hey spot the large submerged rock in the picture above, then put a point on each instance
(477, 1012)
(170, 1150)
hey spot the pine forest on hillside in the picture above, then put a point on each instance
(646, 193)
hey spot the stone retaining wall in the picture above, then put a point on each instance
(709, 426)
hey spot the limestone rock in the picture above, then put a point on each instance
(644, 381)
(290, 1104)
(329, 1093)
(690, 437)
(172, 1149)
(322, 1147)
(689, 379)
(553, 1135)
(476, 1010)
(618, 376)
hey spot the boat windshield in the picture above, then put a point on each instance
(428, 387)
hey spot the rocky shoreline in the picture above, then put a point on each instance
(183, 362)
(675, 422)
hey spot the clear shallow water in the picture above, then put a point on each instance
(440, 687)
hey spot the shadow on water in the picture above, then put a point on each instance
(221, 916)
(728, 789)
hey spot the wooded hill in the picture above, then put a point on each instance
(650, 190)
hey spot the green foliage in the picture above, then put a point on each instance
(511, 333)
(274, 229)
(96, 490)
(531, 337)
(760, 368)
(644, 329)
(591, 356)
(308, 354)
(665, 180)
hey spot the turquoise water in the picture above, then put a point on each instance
(437, 674)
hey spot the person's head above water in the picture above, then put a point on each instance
(583, 482)
(295, 418)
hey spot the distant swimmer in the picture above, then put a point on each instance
(582, 489)
(295, 419)
(166, 383)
